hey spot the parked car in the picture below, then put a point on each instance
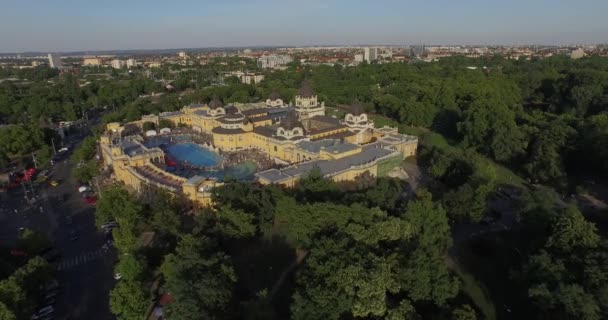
(82, 189)
(117, 276)
(109, 225)
(42, 312)
(54, 183)
(91, 200)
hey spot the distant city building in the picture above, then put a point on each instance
(154, 65)
(36, 63)
(273, 61)
(359, 58)
(386, 53)
(247, 51)
(416, 51)
(118, 64)
(55, 61)
(182, 55)
(248, 78)
(370, 54)
(131, 63)
(92, 61)
(577, 54)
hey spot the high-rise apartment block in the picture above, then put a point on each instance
(273, 61)
(55, 61)
(370, 54)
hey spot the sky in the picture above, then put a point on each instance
(87, 25)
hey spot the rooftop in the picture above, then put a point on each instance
(369, 154)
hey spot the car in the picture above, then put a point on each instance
(91, 200)
(54, 183)
(73, 235)
(117, 276)
(64, 149)
(42, 312)
(82, 189)
(109, 225)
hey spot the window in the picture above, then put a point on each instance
(275, 148)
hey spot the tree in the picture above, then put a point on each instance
(464, 313)
(200, 278)
(235, 223)
(4, 160)
(149, 126)
(128, 300)
(315, 188)
(33, 242)
(131, 267)
(6, 313)
(19, 292)
(490, 127)
(469, 201)
(164, 123)
(572, 232)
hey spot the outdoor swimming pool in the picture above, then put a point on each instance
(193, 154)
(202, 157)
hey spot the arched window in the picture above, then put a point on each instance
(275, 148)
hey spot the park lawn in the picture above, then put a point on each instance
(476, 291)
(484, 266)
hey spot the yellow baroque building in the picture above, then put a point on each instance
(297, 138)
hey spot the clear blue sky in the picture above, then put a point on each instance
(64, 25)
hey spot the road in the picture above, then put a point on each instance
(84, 270)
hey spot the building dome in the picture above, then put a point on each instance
(274, 95)
(306, 90)
(234, 117)
(290, 121)
(356, 108)
(215, 103)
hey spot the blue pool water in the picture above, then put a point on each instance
(194, 154)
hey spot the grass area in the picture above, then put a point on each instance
(485, 265)
(475, 290)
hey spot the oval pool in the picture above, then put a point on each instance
(193, 154)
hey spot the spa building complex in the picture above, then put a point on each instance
(291, 140)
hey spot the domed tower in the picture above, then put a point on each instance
(357, 121)
(216, 107)
(290, 127)
(274, 100)
(307, 105)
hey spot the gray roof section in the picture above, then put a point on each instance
(170, 113)
(369, 154)
(195, 181)
(314, 146)
(195, 105)
(341, 147)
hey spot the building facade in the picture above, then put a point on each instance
(92, 61)
(118, 64)
(342, 149)
(55, 61)
(370, 54)
(273, 61)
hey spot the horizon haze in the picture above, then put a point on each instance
(60, 26)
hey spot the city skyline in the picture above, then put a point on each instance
(63, 26)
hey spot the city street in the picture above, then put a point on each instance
(85, 269)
